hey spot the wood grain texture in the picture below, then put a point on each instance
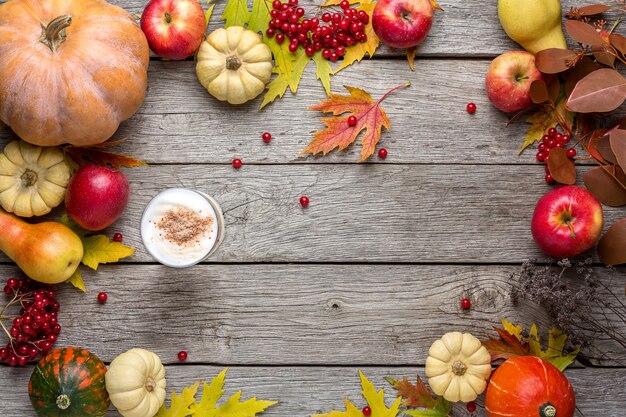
(358, 213)
(303, 392)
(297, 314)
(181, 123)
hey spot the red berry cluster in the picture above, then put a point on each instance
(551, 140)
(35, 330)
(340, 30)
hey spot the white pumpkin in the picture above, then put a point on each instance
(135, 382)
(234, 64)
(458, 367)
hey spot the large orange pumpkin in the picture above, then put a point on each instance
(70, 70)
(527, 386)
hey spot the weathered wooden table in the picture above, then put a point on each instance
(296, 300)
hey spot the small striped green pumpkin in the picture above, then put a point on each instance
(69, 382)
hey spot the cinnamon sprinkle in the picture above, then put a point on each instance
(183, 226)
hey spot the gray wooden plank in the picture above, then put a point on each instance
(181, 123)
(358, 213)
(311, 390)
(297, 314)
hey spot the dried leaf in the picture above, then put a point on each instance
(356, 52)
(554, 89)
(410, 56)
(539, 92)
(605, 187)
(602, 91)
(419, 396)
(555, 60)
(561, 167)
(612, 246)
(598, 146)
(94, 154)
(508, 345)
(593, 9)
(338, 134)
(618, 145)
(98, 249)
(583, 68)
(375, 400)
(77, 280)
(605, 58)
(618, 42)
(583, 33)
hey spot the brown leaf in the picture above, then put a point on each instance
(605, 186)
(583, 68)
(603, 147)
(539, 92)
(82, 155)
(618, 146)
(410, 56)
(507, 346)
(583, 32)
(618, 42)
(593, 9)
(602, 91)
(554, 89)
(612, 246)
(561, 167)
(555, 60)
(605, 58)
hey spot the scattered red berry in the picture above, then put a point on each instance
(471, 108)
(471, 406)
(236, 163)
(304, 201)
(466, 304)
(182, 356)
(267, 137)
(367, 411)
(117, 237)
(352, 121)
(571, 153)
(102, 297)
(382, 153)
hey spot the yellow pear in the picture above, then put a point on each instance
(47, 252)
(534, 24)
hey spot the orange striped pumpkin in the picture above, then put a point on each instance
(528, 386)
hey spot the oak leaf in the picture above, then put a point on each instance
(375, 400)
(419, 397)
(370, 119)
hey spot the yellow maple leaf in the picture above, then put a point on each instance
(375, 400)
(546, 117)
(236, 13)
(77, 280)
(98, 249)
(339, 134)
(512, 329)
(182, 406)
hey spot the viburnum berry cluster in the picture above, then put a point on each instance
(35, 330)
(553, 139)
(332, 35)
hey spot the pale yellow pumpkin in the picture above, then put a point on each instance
(33, 179)
(234, 64)
(458, 367)
(70, 70)
(136, 383)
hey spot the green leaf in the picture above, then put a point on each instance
(260, 16)
(77, 280)
(442, 409)
(275, 89)
(554, 352)
(182, 406)
(99, 249)
(208, 14)
(236, 13)
(323, 71)
(299, 64)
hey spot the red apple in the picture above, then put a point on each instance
(96, 196)
(567, 222)
(509, 78)
(174, 28)
(402, 23)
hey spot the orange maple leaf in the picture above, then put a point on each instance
(416, 395)
(507, 346)
(370, 117)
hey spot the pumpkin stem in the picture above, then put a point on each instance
(233, 63)
(150, 384)
(63, 402)
(459, 368)
(547, 410)
(53, 35)
(29, 178)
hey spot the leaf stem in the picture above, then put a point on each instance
(407, 84)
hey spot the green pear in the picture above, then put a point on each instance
(534, 24)
(47, 252)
